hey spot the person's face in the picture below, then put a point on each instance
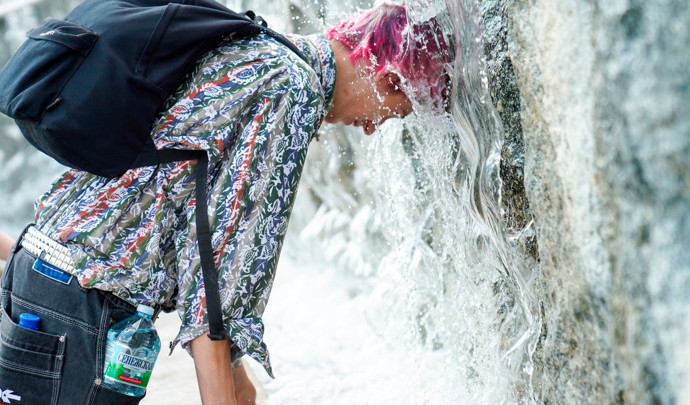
(370, 100)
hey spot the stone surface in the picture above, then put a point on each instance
(603, 98)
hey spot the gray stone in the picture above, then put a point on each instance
(603, 98)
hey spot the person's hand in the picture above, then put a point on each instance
(245, 393)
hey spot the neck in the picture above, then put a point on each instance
(344, 78)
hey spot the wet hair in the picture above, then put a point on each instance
(414, 50)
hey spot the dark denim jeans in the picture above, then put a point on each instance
(62, 362)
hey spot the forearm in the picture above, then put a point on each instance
(213, 370)
(5, 245)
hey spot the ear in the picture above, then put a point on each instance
(389, 82)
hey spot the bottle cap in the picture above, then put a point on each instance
(29, 321)
(145, 309)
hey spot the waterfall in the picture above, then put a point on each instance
(417, 208)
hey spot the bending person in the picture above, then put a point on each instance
(254, 107)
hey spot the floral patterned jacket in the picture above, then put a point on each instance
(254, 106)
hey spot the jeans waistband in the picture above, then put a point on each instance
(58, 255)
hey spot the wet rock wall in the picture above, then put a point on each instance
(601, 91)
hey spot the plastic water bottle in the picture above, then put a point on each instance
(29, 321)
(130, 353)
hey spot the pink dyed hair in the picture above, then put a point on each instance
(386, 36)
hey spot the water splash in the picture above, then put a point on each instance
(449, 277)
(481, 132)
(475, 191)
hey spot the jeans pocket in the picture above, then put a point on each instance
(102, 395)
(30, 364)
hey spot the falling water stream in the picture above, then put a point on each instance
(470, 291)
(415, 208)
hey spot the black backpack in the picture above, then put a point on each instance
(86, 90)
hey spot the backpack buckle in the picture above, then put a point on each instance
(257, 19)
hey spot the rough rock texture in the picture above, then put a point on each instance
(603, 98)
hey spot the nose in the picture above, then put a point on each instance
(370, 127)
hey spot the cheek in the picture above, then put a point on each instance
(402, 106)
(363, 108)
(365, 90)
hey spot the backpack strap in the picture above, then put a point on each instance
(281, 38)
(203, 234)
(261, 23)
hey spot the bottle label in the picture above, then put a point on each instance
(127, 368)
